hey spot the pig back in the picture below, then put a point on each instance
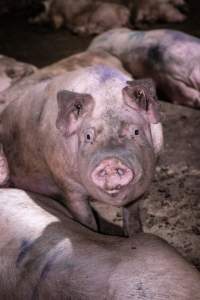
(46, 255)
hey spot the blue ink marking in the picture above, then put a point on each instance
(46, 269)
(24, 248)
(107, 73)
(155, 54)
(136, 35)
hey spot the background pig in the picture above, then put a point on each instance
(152, 11)
(92, 132)
(46, 255)
(170, 57)
(84, 16)
(101, 17)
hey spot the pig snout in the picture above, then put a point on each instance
(112, 175)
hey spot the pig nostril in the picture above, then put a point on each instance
(120, 172)
(118, 187)
(102, 173)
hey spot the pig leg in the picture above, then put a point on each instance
(81, 210)
(183, 93)
(131, 219)
(4, 171)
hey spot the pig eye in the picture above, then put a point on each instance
(89, 135)
(136, 131)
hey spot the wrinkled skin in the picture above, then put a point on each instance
(152, 11)
(46, 255)
(89, 133)
(84, 16)
(12, 71)
(170, 57)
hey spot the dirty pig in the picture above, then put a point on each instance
(91, 133)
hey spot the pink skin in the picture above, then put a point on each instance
(4, 172)
(111, 175)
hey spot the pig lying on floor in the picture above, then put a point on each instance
(170, 57)
(46, 255)
(92, 132)
(84, 16)
(152, 11)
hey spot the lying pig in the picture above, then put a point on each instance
(170, 57)
(11, 71)
(101, 17)
(92, 132)
(152, 11)
(60, 12)
(84, 16)
(46, 255)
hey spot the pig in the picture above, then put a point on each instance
(101, 17)
(84, 16)
(90, 133)
(11, 71)
(170, 57)
(152, 11)
(46, 255)
(60, 12)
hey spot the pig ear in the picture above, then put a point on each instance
(72, 107)
(157, 137)
(141, 96)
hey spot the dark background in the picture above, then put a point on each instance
(42, 45)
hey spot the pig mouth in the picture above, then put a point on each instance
(112, 192)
